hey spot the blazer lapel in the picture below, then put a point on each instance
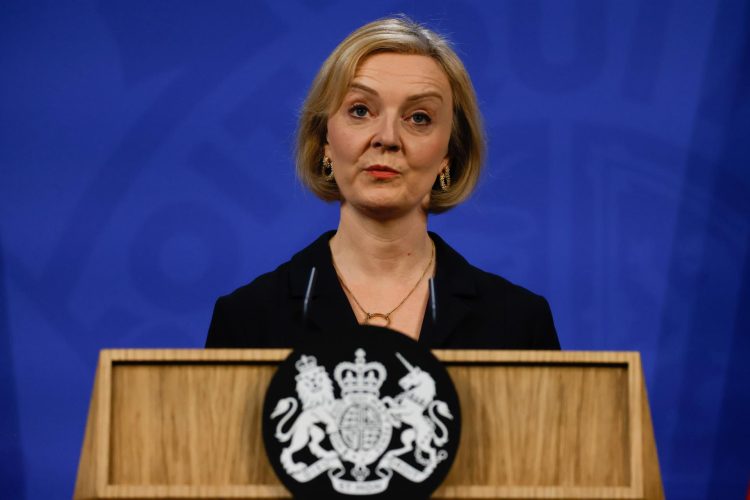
(328, 309)
(456, 294)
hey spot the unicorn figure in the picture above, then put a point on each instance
(409, 408)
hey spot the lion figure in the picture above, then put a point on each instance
(315, 390)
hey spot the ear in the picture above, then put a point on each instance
(326, 150)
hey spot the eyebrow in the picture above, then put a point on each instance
(415, 97)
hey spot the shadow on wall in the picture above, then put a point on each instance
(705, 340)
(728, 471)
(11, 463)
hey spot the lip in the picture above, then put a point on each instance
(381, 171)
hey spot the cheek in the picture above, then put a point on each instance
(431, 153)
(433, 148)
(342, 141)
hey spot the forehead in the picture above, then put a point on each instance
(408, 72)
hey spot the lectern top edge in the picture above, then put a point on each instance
(447, 356)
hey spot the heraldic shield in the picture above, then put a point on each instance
(368, 414)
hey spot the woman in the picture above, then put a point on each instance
(392, 131)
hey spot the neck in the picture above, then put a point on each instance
(366, 246)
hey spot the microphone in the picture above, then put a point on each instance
(308, 292)
(433, 300)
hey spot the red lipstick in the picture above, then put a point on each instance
(381, 171)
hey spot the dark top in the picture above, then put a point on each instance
(475, 309)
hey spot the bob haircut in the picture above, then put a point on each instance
(400, 35)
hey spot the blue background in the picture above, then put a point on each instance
(145, 156)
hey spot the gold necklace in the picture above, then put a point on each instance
(385, 316)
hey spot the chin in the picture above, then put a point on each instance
(386, 209)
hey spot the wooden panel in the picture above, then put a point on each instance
(89, 468)
(543, 426)
(652, 485)
(188, 424)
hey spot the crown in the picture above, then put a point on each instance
(360, 377)
(307, 364)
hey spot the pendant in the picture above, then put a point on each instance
(386, 317)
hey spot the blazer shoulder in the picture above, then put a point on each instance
(265, 287)
(246, 309)
(253, 315)
(493, 284)
(529, 311)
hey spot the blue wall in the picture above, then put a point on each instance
(145, 168)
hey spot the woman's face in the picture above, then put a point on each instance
(388, 140)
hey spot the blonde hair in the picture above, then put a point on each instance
(401, 35)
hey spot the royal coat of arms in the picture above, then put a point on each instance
(361, 439)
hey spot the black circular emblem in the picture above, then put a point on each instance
(369, 413)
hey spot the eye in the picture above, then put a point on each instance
(420, 118)
(359, 111)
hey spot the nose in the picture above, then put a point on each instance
(386, 135)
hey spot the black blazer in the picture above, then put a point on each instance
(475, 309)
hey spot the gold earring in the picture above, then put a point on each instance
(445, 178)
(327, 168)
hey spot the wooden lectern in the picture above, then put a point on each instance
(536, 424)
